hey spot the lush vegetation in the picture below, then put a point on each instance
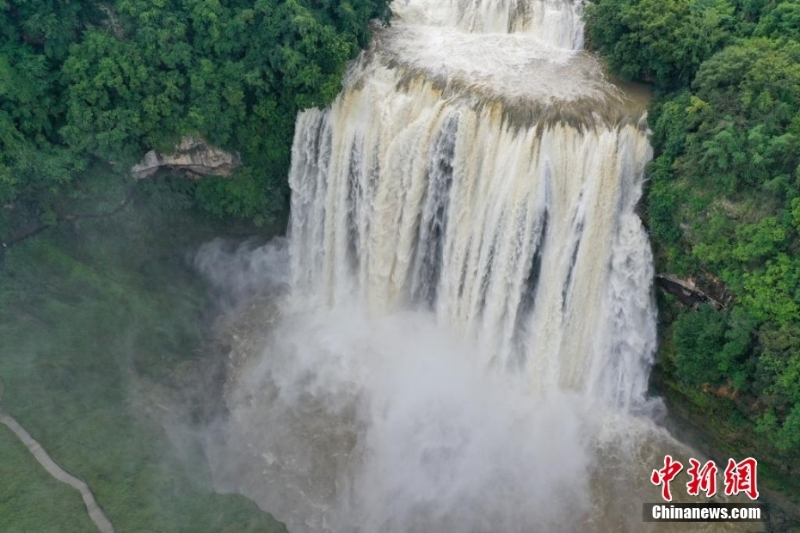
(723, 205)
(99, 316)
(31, 499)
(83, 81)
(104, 326)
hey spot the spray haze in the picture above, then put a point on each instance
(467, 335)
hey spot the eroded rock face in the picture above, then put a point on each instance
(194, 157)
(686, 291)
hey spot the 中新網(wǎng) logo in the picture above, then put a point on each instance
(738, 477)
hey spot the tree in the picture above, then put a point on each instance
(83, 81)
(660, 41)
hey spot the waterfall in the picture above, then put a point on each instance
(556, 22)
(467, 335)
(508, 213)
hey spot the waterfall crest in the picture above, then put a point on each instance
(556, 23)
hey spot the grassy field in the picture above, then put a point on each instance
(98, 321)
(30, 499)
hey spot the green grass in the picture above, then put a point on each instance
(97, 321)
(30, 499)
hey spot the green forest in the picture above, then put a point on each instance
(723, 204)
(83, 82)
(104, 327)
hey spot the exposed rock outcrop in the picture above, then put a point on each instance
(686, 291)
(194, 157)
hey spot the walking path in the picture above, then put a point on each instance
(95, 513)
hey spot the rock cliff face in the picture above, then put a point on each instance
(193, 157)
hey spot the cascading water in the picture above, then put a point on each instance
(466, 340)
(510, 214)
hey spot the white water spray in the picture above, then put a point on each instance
(468, 336)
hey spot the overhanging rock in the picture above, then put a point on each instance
(193, 157)
(686, 291)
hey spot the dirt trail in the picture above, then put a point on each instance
(95, 513)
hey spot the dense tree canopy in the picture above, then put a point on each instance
(723, 204)
(83, 81)
(659, 40)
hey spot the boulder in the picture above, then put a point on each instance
(193, 157)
